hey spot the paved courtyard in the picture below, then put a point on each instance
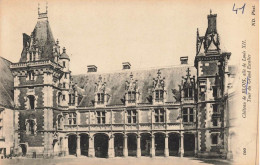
(114, 161)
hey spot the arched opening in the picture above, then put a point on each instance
(101, 145)
(72, 144)
(84, 144)
(118, 144)
(145, 144)
(131, 144)
(30, 126)
(56, 147)
(159, 144)
(60, 122)
(24, 149)
(31, 99)
(173, 144)
(189, 144)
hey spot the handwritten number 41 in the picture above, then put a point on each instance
(242, 8)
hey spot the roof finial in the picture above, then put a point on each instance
(210, 11)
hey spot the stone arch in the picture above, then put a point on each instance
(132, 144)
(84, 143)
(72, 143)
(101, 144)
(118, 144)
(56, 147)
(159, 141)
(23, 149)
(189, 144)
(173, 143)
(145, 143)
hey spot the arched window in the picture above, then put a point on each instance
(31, 100)
(60, 122)
(31, 126)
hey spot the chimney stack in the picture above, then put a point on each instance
(126, 65)
(184, 60)
(92, 68)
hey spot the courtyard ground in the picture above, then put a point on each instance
(114, 161)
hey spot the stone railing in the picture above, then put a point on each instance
(34, 63)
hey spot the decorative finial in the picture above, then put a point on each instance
(188, 72)
(210, 11)
(57, 41)
(64, 50)
(159, 73)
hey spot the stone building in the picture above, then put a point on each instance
(172, 111)
(6, 109)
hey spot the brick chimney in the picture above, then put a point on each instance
(184, 60)
(126, 65)
(92, 68)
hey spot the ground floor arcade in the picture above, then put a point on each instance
(128, 144)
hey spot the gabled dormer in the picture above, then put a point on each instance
(159, 92)
(101, 97)
(187, 87)
(131, 91)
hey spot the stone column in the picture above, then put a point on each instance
(152, 146)
(111, 151)
(138, 151)
(91, 150)
(166, 149)
(196, 143)
(125, 150)
(181, 145)
(66, 148)
(78, 146)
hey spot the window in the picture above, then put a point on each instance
(30, 126)
(64, 64)
(31, 100)
(30, 75)
(71, 99)
(64, 85)
(159, 115)
(188, 92)
(131, 96)
(188, 115)
(215, 108)
(215, 91)
(131, 116)
(214, 138)
(65, 75)
(63, 97)
(72, 118)
(101, 117)
(159, 95)
(215, 121)
(100, 98)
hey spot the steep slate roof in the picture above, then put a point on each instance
(115, 83)
(6, 84)
(42, 32)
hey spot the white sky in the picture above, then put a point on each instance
(107, 33)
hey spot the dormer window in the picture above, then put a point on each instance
(188, 92)
(131, 96)
(100, 98)
(159, 92)
(131, 91)
(159, 95)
